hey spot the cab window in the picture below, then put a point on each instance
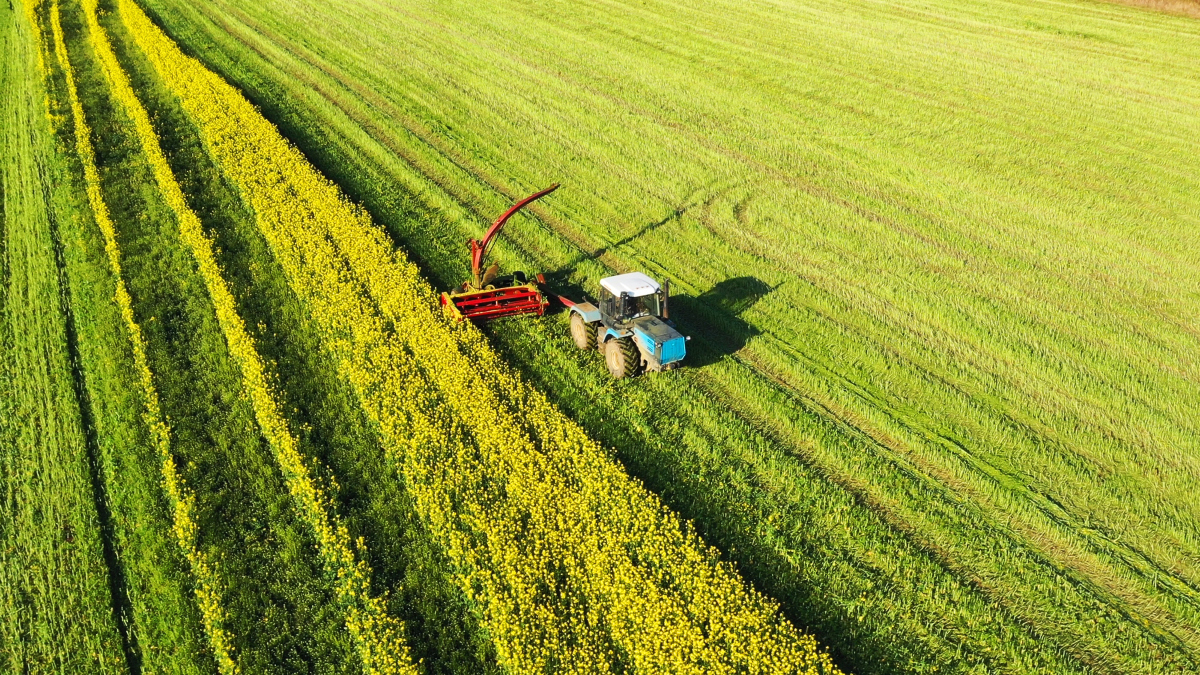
(608, 303)
(647, 305)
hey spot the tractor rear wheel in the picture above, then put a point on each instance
(622, 357)
(581, 332)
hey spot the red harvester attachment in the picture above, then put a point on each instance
(487, 295)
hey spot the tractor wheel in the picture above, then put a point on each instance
(601, 332)
(581, 332)
(623, 358)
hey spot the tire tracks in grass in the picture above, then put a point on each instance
(265, 103)
(281, 612)
(350, 113)
(459, 200)
(60, 609)
(118, 585)
(410, 124)
(1095, 540)
(659, 580)
(745, 522)
(951, 490)
(993, 475)
(118, 582)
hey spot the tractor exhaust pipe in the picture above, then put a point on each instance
(666, 298)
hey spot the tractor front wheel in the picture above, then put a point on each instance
(622, 357)
(581, 332)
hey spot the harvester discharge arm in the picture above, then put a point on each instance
(479, 248)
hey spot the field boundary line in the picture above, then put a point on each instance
(207, 583)
(378, 637)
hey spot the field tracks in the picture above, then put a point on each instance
(377, 637)
(575, 567)
(206, 584)
(118, 582)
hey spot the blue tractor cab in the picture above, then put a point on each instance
(631, 326)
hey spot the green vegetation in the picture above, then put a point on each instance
(161, 621)
(277, 603)
(59, 601)
(938, 261)
(278, 606)
(331, 427)
(937, 273)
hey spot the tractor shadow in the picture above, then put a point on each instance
(714, 320)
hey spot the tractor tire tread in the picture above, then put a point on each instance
(582, 333)
(631, 360)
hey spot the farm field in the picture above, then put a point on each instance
(938, 262)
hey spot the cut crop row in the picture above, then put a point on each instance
(206, 585)
(281, 614)
(57, 611)
(408, 568)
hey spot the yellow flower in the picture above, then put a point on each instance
(378, 637)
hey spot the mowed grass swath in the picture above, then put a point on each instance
(56, 609)
(150, 644)
(562, 497)
(146, 606)
(970, 229)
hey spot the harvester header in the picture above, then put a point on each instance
(487, 294)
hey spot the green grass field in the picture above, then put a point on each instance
(938, 261)
(56, 601)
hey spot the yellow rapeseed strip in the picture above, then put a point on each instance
(576, 567)
(206, 584)
(377, 636)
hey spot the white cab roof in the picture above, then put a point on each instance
(635, 284)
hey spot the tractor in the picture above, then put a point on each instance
(631, 327)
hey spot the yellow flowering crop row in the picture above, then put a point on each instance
(206, 584)
(577, 568)
(377, 636)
